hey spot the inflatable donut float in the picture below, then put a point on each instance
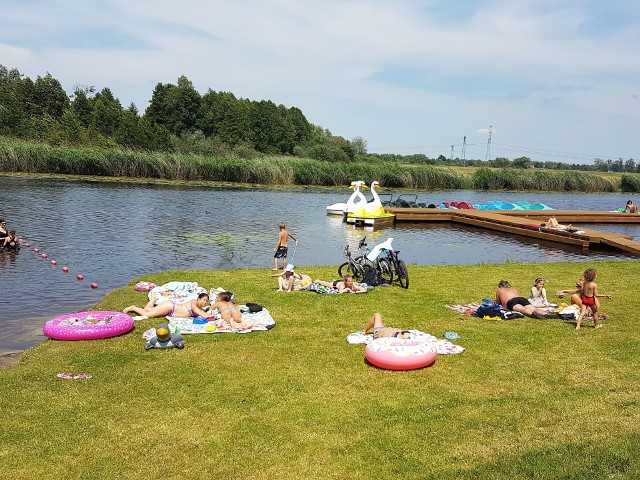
(393, 353)
(88, 325)
(144, 286)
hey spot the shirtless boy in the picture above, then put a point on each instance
(281, 247)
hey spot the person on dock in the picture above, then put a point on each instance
(509, 298)
(630, 207)
(589, 296)
(281, 247)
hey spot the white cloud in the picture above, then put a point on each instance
(521, 65)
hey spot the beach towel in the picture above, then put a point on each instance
(443, 346)
(316, 287)
(179, 292)
(260, 321)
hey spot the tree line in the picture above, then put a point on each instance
(179, 119)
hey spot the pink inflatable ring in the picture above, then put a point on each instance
(88, 325)
(393, 353)
(144, 286)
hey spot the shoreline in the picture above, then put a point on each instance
(10, 359)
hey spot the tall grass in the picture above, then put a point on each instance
(29, 157)
(630, 183)
(514, 179)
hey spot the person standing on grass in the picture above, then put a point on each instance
(589, 297)
(281, 247)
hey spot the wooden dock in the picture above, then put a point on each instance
(527, 223)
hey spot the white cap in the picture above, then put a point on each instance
(289, 268)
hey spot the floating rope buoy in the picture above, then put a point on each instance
(79, 277)
(53, 262)
(65, 269)
(94, 285)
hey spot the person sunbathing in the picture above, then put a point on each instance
(346, 285)
(380, 331)
(171, 308)
(509, 298)
(229, 311)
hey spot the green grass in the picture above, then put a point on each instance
(529, 399)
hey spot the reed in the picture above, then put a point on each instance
(630, 183)
(516, 179)
(30, 157)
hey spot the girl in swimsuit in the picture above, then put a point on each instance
(171, 308)
(538, 295)
(229, 311)
(589, 297)
(380, 331)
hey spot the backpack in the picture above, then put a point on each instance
(489, 308)
(370, 275)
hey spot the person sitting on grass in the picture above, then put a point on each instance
(287, 279)
(380, 331)
(171, 308)
(509, 298)
(346, 285)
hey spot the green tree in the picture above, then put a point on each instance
(49, 97)
(177, 107)
(522, 162)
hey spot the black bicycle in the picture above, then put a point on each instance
(357, 266)
(398, 269)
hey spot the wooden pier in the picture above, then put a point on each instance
(527, 223)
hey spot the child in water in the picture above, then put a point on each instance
(589, 297)
(229, 311)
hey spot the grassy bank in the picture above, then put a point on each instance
(29, 157)
(528, 399)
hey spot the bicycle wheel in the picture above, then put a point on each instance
(403, 274)
(344, 269)
(385, 271)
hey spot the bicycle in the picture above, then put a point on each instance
(355, 266)
(389, 266)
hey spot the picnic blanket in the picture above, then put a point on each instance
(443, 346)
(179, 292)
(260, 321)
(471, 308)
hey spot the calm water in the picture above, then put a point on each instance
(111, 233)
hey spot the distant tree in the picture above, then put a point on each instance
(501, 162)
(175, 106)
(107, 113)
(49, 97)
(359, 145)
(630, 165)
(522, 162)
(82, 104)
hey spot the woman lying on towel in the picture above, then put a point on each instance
(379, 330)
(171, 308)
(346, 285)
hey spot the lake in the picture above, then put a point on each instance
(113, 232)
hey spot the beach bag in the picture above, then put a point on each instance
(489, 308)
(254, 307)
(370, 276)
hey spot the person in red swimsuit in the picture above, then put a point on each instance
(589, 296)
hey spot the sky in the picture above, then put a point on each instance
(552, 80)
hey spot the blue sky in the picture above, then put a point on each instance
(556, 80)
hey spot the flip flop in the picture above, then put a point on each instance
(65, 375)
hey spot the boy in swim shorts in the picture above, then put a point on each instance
(281, 247)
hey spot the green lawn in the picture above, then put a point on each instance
(528, 399)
